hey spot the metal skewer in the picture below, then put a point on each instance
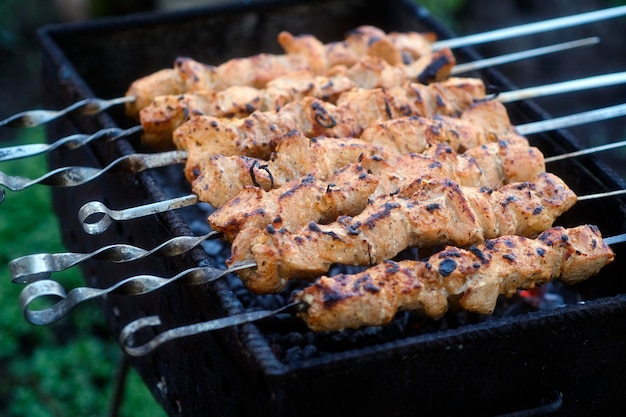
(74, 175)
(127, 335)
(137, 285)
(36, 267)
(518, 56)
(92, 106)
(68, 142)
(88, 106)
(78, 140)
(588, 151)
(572, 120)
(530, 28)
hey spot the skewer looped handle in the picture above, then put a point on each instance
(137, 285)
(88, 106)
(74, 175)
(96, 208)
(69, 142)
(36, 267)
(128, 334)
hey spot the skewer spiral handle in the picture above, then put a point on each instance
(94, 209)
(36, 267)
(75, 175)
(69, 142)
(137, 285)
(88, 106)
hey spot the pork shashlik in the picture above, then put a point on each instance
(348, 190)
(304, 52)
(258, 134)
(438, 212)
(471, 279)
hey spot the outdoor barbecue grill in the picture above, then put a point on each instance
(527, 359)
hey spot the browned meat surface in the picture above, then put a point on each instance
(163, 82)
(165, 113)
(258, 134)
(303, 52)
(449, 97)
(346, 192)
(437, 213)
(471, 279)
(222, 177)
(296, 203)
(480, 123)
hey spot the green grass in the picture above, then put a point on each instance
(67, 368)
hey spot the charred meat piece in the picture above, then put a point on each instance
(471, 279)
(480, 123)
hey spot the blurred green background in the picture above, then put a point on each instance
(69, 369)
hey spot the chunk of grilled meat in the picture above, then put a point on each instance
(450, 97)
(222, 177)
(396, 48)
(219, 178)
(166, 113)
(471, 279)
(437, 213)
(258, 134)
(347, 191)
(480, 123)
(303, 52)
(296, 203)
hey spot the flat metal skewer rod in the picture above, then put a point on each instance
(518, 56)
(126, 336)
(572, 120)
(531, 28)
(69, 142)
(577, 85)
(75, 175)
(588, 151)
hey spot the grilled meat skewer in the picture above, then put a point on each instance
(504, 264)
(348, 191)
(165, 113)
(471, 279)
(303, 52)
(258, 134)
(438, 212)
(221, 177)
